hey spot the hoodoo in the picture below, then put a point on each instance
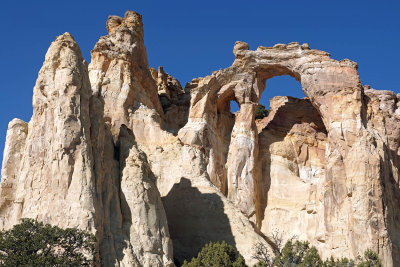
(156, 171)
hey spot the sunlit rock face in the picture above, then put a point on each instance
(292, 147)
(156, 171)
(329, 171)
(73, 166)
(48, 162)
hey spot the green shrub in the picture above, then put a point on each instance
(343, 262)
(32, 243)
(294, 253)
(261, 264)
(370, 259)
(217, 254)
(312, 258)
(261, 112)
(298, 253)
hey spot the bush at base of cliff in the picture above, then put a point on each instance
(370, 259)
(32, 243)
(343, 262)
(217, 254)
(299, 253)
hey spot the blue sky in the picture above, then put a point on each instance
(193, 38)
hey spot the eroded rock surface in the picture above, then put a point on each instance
(51, 167)
(174, 100)
(67, 168)
(157, 171)
(348, 173)
(292, 146)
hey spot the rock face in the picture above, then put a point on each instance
(339, 175)
(174, 100)
(67, 168)
(48, 162)
(292, 147)
(156, 171)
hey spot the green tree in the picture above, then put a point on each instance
(343, 262)
(370, 259)
(215, 255)
(261, 112)
(311, 258)
(261, 264)
(32, 243)
(298, 253)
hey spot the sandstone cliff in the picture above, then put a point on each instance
(156, 170)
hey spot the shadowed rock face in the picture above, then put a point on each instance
(203, 216)
(110, 145)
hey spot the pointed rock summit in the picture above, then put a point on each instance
(53, 179)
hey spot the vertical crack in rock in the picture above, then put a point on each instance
(131, 219)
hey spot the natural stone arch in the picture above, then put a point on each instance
(334, 89)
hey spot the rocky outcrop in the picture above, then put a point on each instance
(382, 115)
(13, 153)
(49, 160)
(197, 212)
(66, 168)
(157, 171)
(129, 102)
(352, 174)
(131, 220)
(174, 100)
(120, 75)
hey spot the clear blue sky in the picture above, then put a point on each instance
(193, 38)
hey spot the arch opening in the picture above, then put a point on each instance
(291, 151)
(283, 85)
(226, 107)
(234, 106)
